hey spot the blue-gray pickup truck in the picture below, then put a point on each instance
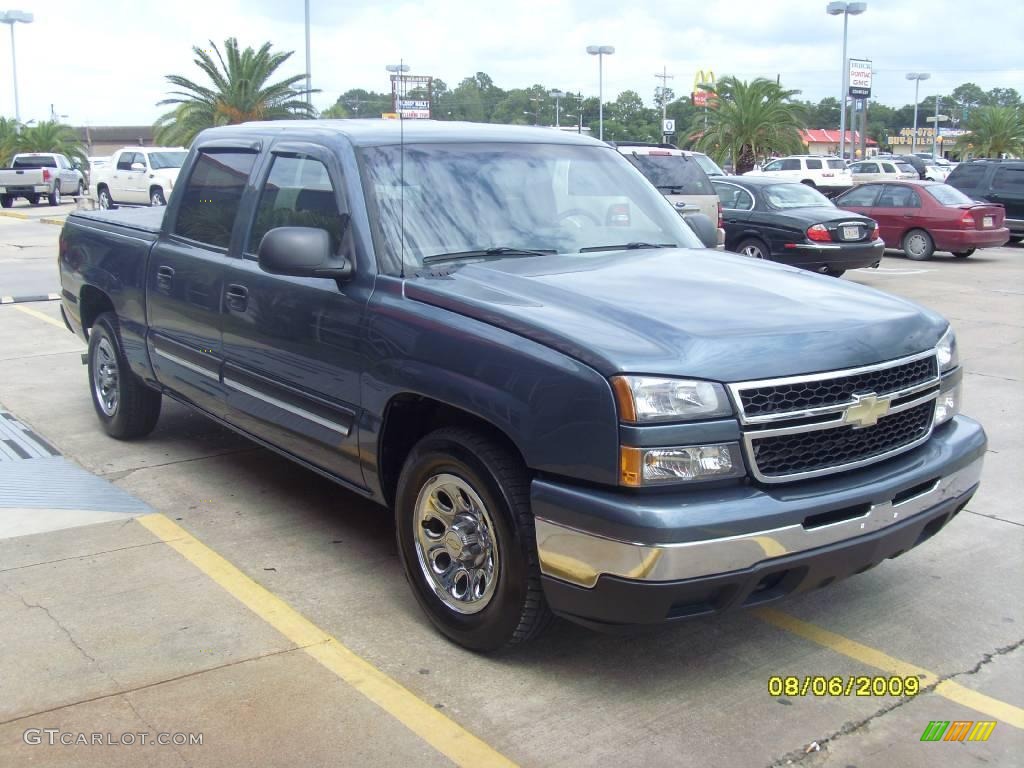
(508, 337)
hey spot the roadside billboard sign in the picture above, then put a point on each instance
(410, 95)
(860, 78)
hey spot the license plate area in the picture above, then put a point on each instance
(851, 233)
(987, 222)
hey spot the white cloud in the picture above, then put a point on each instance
(105, 64)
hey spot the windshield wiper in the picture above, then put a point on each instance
(627, 247)
(501, 250)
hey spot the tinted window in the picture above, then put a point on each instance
(898, 197)
(124, 161)
(861, 197)
(889, 168)
(790, 165)
(795, 196)
(814, 165)
(166, 159)
(209, 201)
(967, 175)
(836, 165)
(34, 162)
(947, 195)
(673, 174)
(298, 193)
(868, 168)
(1009, 180)
(734, 198)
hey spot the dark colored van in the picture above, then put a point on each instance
(995, 181)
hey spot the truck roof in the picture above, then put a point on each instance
(383, 132)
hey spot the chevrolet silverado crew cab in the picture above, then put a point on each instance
(508, 337)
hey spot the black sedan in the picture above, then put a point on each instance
(793, 223)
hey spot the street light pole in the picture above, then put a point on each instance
(917, 77)
(665, 77)
(558, 96)
(11, 18)
(847, 10)
(309, 75)
(600, 51)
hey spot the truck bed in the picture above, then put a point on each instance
(146, 219)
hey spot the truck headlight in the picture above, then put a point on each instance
(946, 350)
(655, 466)
(647, 399)
(947, 405)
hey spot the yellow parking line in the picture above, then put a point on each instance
(1000, 710)
(39, 316)
(443, 734)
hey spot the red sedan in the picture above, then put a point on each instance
(921, 217)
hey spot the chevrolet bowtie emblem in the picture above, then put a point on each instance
(866, 410)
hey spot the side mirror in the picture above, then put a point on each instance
(138, 166)
(301, 252)
(704, 229)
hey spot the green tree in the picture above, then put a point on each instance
(1002, 97)
(750, 119)
(993, 132)
(8, 139)
(239, 91)
(51, 137)
(357, 102)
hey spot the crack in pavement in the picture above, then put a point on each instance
(65, 630)
(995, 517)
(83, 556)
(121, 474)
(798, 756)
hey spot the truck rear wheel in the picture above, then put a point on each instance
(55, 195)
(467, 541)
(6, 201)
(126, 407)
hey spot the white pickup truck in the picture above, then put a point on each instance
(138, 175)
(40, 174)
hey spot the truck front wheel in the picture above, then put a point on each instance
(126, 407)
(467, 541)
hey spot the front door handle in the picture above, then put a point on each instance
(237, 297)
(164, 278)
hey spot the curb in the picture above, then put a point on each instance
(16, 215)
(51, 220)
(23, 299)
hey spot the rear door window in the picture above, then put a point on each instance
(673, 174)
(210, 198)
(813, 165)
(836, 165)
(888, 168)
(791, 164)
(898, 197)
(968, 175)
(1009, 181)
(860, 197)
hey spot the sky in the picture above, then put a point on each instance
(104, 63)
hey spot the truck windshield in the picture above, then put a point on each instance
(158, 160)
(34, 162)
(477, 197)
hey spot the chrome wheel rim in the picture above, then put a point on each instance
(56, 195)
(156, 199)
(455, 544)
(917, 245)
(104, 199)
(753, 252)
(105, 377)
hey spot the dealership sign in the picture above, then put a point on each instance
(860, 78)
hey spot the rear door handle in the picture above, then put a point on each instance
(237, 297)
(164, 278)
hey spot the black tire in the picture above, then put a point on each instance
(757, 248)
(136, 408)
(156, 196)
(54, 197)
(516, 610)
(32, 199)
(917, 245)
(809, 183)
(80, 190)
(964, 254)
(103, 198)
(835, 272)
(6, 201)
(1016, 239)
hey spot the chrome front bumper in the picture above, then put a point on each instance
(581, 558)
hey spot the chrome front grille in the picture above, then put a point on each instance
(801, 427)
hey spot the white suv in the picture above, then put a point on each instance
(828, 174)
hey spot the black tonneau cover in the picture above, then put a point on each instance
(147, 219)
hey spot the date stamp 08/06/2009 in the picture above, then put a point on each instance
(844, 685)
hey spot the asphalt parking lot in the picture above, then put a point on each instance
(221, 591)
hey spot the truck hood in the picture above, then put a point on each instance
(691, 312)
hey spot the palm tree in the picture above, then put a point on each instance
(993, 132)
(748, 119)
(239, 92)
(49, 136)
(8, 139)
